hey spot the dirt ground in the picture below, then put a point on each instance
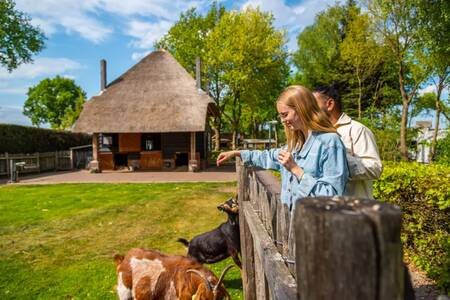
(424, 288)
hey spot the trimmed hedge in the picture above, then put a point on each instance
(23, 139)
(423, 194)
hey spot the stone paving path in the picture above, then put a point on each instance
(214, 174)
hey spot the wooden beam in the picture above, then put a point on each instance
(281, 283)
(193, 150)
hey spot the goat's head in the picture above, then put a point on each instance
(212, 291)
(230, 206)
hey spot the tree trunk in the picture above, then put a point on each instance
(436, 122)
(217, 139)
(404, 122)
(359, 98)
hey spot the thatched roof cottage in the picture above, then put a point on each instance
(154, 116)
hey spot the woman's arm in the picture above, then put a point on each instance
(224, 156)
(266, 159)
(332, 179)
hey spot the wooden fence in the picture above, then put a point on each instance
(331, 248)
(37, 162)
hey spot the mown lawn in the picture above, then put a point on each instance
(57, 241)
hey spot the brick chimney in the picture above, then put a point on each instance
(102, 74)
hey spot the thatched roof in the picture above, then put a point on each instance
(155, 95)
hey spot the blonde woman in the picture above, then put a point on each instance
(313, 162)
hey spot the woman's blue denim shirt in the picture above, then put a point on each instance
(323, 160)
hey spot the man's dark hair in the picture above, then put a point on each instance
(332, 91)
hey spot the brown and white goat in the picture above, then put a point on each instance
(149, 274)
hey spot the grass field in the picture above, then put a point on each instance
(57, 241)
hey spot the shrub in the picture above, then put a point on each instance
(423, 194)
(443, 149)
(23, 139)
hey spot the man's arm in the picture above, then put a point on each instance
(364, 163)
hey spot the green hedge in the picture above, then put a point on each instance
(23, 139)
(423, 194)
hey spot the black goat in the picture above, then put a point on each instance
(220, 243)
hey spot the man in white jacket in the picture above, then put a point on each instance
(362, 153)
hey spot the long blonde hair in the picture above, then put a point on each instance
(304, 104)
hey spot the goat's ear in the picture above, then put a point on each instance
(118, 259)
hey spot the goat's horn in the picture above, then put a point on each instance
(208, 284)
(222, 276)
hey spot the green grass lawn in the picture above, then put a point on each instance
(57, 241)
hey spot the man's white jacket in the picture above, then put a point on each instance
(362, 155)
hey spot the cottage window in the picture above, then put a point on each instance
(151, 141)
(108, 142)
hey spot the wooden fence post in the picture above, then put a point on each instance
(247, 251)
(7, 164)
(38, 162)
(348, 249)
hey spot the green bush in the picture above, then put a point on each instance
(423, 194)
(443, 149)
(23, 139)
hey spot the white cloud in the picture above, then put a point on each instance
(145, 33)
(13, 115)
(13, 90)
(139, 55)
(42, 66)
(429, 89)
(84, 17)
(72, 16)
(160, 9)
(291, 18)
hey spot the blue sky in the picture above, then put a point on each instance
(81, 32)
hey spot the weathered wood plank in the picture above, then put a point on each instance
(260, 279)
(342, 247)
(247, 253)
(281, 283)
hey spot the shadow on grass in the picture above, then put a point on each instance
(233, 283)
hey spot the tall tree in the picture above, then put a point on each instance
(361, 53)
(19, 40)
(318, 55)
(251, 56)
(434, 20)
(340, 47)
(186, 40)
(397, 25)
(56, 101)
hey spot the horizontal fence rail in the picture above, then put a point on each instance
(325, 248)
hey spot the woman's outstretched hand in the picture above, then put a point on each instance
(224, 156)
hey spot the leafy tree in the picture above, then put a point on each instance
(19, 40)
(56, 101)
(251, 56)
(361, 53)
(397, 24)
(434, 20)
(340, 47)
(243, 63)
(186, 40)
(318, 55)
